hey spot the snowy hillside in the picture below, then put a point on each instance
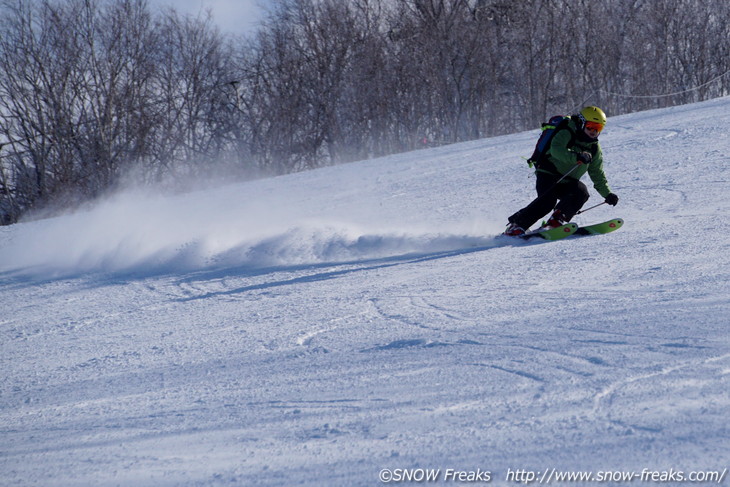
(336, 326)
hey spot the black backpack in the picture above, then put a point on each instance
(549, 129)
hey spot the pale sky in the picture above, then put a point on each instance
(232, 16)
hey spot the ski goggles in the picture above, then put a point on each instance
(594, 126)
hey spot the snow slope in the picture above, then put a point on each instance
(317, 328)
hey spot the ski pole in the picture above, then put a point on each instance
(595, 206)
(564, 176)
(539, 197)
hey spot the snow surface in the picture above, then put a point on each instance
(316, 328)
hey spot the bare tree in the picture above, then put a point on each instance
(193, 96)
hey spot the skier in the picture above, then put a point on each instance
(573, 151)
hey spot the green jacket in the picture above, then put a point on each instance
(562, 156)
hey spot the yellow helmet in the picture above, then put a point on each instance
(593, 114)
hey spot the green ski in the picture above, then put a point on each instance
(601, 228)
(556, 233)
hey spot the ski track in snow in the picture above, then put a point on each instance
(316, 328)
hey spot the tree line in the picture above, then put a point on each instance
(95, 91)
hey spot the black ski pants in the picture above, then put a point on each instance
(568, 196)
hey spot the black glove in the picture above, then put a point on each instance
(585, 158)
(612, 199)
